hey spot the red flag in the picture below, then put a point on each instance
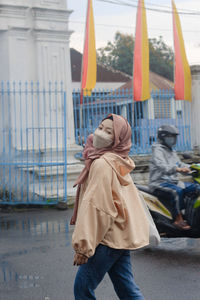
(182, 74)
(141, 90)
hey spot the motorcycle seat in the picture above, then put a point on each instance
(144, 188)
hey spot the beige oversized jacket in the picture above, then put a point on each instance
(110, 211)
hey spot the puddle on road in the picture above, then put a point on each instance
(10, 278)
(179, 245)
(34, 227)
(26, 235)
(33, 231)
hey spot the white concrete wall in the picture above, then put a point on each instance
(36, 39)
(34, 46)
(195, 107)
(53, 4)
(4, 70)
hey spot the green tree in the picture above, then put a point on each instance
(161, 58)
(119, 55)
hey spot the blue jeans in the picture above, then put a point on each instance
(177, 195)
(118, 265)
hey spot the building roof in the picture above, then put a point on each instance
(105, 74)
(157, 82)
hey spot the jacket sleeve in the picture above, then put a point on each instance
(158, 159)
(181, 164)
(97, 210)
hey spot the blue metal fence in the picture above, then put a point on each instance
(144, 117)
(33, 154)
(33, 134)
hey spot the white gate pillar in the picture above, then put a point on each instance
(34, 46)
(195, 107)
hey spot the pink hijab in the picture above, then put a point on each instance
(121, 146)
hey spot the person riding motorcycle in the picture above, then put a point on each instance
(163, 177)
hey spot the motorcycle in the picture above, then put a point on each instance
(159, 209)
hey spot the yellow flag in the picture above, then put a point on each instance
(89, 66)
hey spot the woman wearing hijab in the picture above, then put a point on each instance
(108, 215)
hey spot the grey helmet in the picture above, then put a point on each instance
(166, 130)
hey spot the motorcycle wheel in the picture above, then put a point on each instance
(192, 215)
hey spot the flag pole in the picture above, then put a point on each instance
(133, 109)
(81, 114)
(84, 67)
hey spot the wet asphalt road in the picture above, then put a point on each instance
(36, 261)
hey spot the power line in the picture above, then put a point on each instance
(181, 11)
(167, 10)
(160, 5)
(132, 27)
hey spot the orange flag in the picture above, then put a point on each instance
(141, 89)
(89, 68)
(182, 73)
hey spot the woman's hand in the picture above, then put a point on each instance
(72, 221)
(80, 259)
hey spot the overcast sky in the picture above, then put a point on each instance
(110, 18)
